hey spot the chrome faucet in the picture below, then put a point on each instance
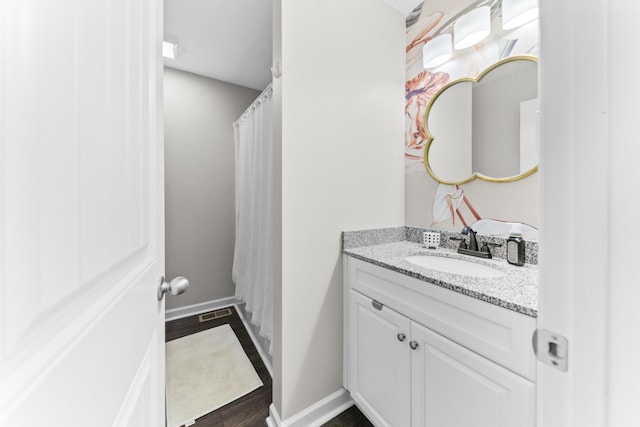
(473, 242)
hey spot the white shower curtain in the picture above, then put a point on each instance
(253, 260)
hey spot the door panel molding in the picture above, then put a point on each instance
(142, 390)
(42, 352)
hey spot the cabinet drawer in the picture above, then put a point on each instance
(499, 334)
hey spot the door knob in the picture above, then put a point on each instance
(414, 345)
(175, 287)
(401, 337)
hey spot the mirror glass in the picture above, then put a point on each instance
(485, 127)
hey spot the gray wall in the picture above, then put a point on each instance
(496, 117)
(199, 182)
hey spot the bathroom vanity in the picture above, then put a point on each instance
(428, 347)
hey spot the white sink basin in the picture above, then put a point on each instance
(454, 266)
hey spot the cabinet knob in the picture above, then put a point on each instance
(414, 345)
(401, 337)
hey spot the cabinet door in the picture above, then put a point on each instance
(379, 362)
(455, 387)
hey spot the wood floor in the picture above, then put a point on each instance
(252, 409)
(352, 417)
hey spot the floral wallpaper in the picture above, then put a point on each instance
(490, 208)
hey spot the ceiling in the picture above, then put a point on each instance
(404, 6)
(228, 40)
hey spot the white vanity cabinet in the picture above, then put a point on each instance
(419, 355)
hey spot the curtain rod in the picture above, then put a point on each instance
(264, 94)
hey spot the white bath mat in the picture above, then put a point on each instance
(205, 371)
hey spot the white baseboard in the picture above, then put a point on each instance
(273, 420)
(265, 359)
(203, 307)
(316, 414)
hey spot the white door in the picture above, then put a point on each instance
(590, 211)
(578, 236)
(81, 213)
(379, 364)
(455, 387)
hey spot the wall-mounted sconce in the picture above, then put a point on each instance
(472, 27)
(437, 51)
(518, 12)
(473, 24)
(169, 50)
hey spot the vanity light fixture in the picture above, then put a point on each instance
(472, 27)
(437, 51)
(169, 50)
(518, 12)
(472, 24)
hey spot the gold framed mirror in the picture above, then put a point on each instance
(485, 127)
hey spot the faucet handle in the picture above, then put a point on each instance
(493, 245)
(462, 240)
(486, 247)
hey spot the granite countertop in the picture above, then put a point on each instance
(517, 290)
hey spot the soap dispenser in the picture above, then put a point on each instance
(515, 247)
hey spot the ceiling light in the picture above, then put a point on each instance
(437, 51)
(472, 27)
(518, 12)
(169, 50)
